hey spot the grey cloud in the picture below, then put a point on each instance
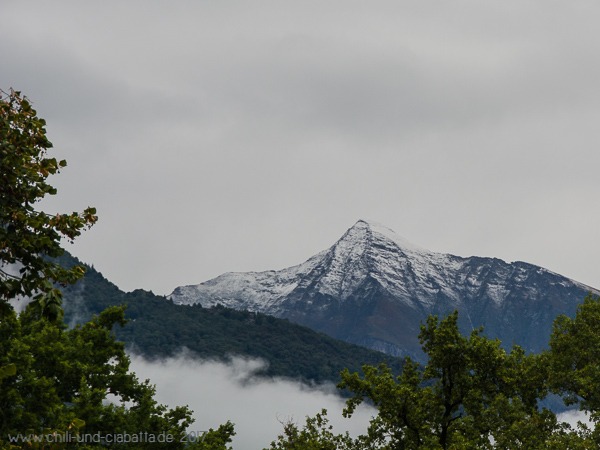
(218, 392)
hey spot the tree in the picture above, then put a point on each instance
(81, 376)
(214, 439)
(574, 359)
(53, 380)
(317, 434)
(28, 237)
(470, 394)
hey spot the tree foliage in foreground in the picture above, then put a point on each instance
(81, 377)
(472, 394)
(56, 382)
(29, 236)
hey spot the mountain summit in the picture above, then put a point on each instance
(375, 288)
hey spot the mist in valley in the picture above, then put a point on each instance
(258, 406)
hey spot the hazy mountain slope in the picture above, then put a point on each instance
(374, 288)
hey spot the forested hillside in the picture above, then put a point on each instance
(159, 328)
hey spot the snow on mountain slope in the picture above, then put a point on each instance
(374, 287)
(254, 291)
(366, 250)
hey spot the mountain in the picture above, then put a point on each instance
(374, 288)
(157, 328)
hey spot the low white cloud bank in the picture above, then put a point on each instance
(218, 392)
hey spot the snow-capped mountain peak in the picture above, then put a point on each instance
(374, 288)
(380, 231)
(366, 250)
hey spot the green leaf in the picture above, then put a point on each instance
(8, 371)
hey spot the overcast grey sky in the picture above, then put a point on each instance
(219, 136)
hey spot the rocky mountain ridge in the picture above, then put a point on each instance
(374, 288)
